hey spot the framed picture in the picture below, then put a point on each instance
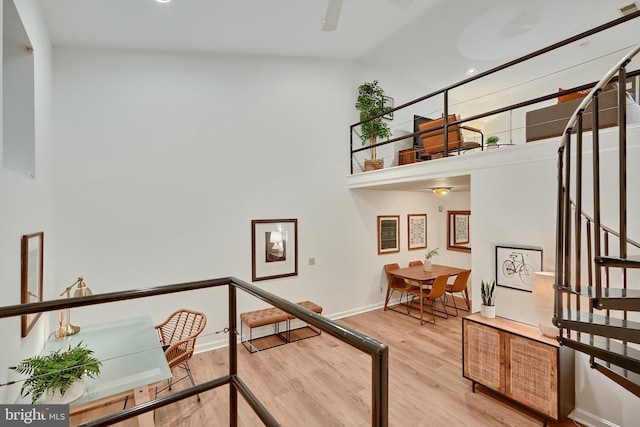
(32, 253)
(515, 266)
(274, 244)
(387, 104)
(388, 236)
(417, 228)
(458, 234)
(460, 228)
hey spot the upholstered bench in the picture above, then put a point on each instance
(306, 331)
(274, 316)
(268, 316)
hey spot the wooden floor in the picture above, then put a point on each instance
(321, 382)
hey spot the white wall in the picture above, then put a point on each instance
(27, 206)
(162, 160)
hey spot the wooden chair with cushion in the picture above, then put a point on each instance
(178, 335)
(432, 295)
(396, 284)
(432, 138)
(459, 286)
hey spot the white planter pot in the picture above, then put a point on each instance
(488, 311)
(72, 393)
(427, 265)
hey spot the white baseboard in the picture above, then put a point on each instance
(203, 344)
(590, 420)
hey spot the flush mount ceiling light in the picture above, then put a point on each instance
(441, 191)
(163, 1)
(471, 71)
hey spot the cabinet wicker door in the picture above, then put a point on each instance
(531, 374)
(484, 355)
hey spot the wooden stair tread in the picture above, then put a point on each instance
(607, 326)
(612, 298)
(608, 350)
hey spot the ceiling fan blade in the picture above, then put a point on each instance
(330, 21)
(400, 4)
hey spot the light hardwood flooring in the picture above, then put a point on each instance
(322, 382)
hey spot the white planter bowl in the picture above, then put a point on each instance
(72, 393)
(488, 311)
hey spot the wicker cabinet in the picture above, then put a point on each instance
(516, 360)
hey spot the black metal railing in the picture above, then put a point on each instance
(379, 352)
(564, 231)
(445, 93)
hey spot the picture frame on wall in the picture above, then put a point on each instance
(516, 265)
(417, 231)
(387, 104)
(274, 244)
(31, 286)
(388, 234)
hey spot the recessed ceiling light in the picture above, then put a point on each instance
(629, 9)
(471, 71)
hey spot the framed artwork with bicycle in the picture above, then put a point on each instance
(515, 266)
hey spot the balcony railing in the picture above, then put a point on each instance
(438, 102)
(378, 352)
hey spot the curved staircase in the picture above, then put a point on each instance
(597, 305)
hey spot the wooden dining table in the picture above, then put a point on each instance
(423, 278)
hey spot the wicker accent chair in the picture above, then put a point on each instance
(459, 286)
(178, 335)
(396, 284)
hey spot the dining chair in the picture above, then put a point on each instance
(459, 286)
(178, 335)
(414, 264)
(432, 295)
(396, 284)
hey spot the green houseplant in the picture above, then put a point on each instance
(492, 141)
(487, 291)
(427, 258)
(57, 371)
(370, 103)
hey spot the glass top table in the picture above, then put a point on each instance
(129, 350)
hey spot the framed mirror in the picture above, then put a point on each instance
(458, 231)
(32, 249)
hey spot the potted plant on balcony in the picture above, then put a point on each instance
(488, 307)
(370, 103)
(58, 375)
(492, 141)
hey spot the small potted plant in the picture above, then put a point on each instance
(427, 259)
(488, 307)
(58, 375)
(370, 103)
(492, 141)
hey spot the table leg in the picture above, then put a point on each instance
(142, 395)
(421, 302)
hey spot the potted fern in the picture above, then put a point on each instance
(370, 103)
(488, 307)
(58, 375)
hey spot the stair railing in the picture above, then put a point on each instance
(604, 338)
(564, 230)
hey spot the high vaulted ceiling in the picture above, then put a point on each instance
(426, 35)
